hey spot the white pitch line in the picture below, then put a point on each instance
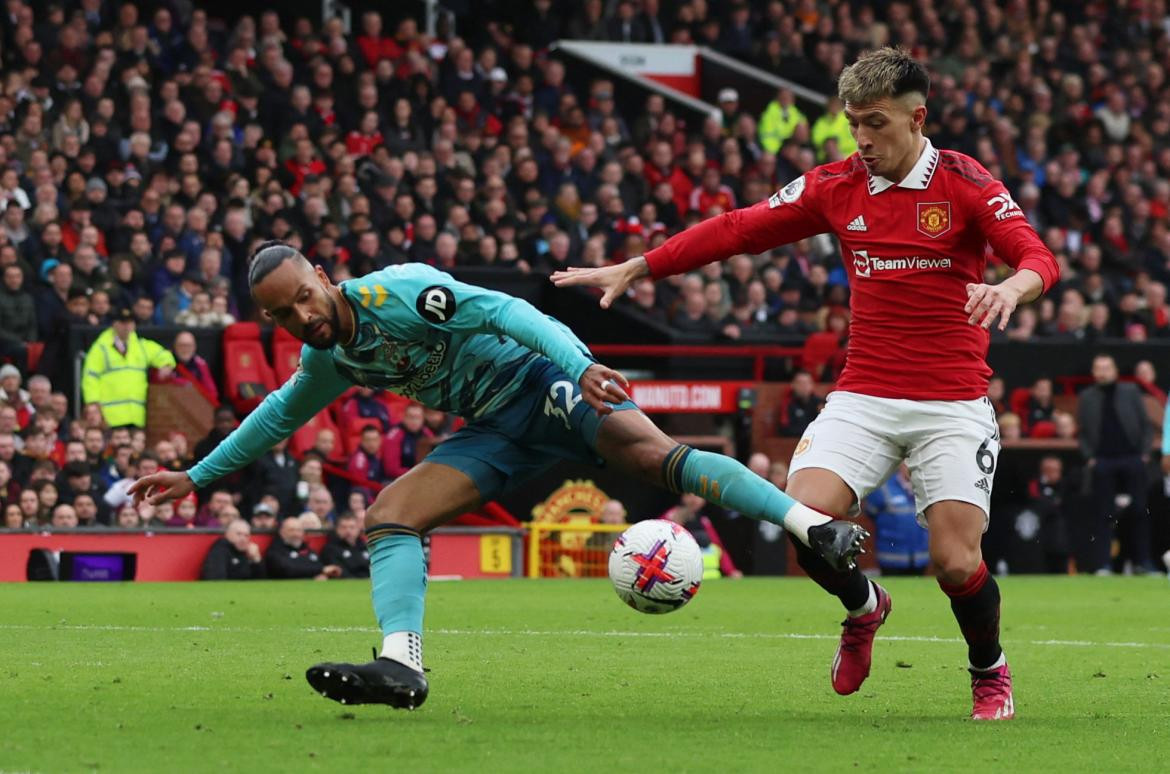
(566, 632)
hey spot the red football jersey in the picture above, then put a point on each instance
(910, 249)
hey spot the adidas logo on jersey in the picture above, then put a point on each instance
(982, 486)
(857, 224)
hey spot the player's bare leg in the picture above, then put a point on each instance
(956, 532)
(631, 442)
(425, 497)
(867, 604)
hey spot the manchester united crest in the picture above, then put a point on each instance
(934, 218)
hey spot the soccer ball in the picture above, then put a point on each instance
(656, 566)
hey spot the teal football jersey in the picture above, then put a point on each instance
(422, 334)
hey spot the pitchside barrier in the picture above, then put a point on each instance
(178, 554)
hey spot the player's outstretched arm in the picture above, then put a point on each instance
(788, 216)
(614, 281)
(314, 386)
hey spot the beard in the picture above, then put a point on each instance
(328, 342)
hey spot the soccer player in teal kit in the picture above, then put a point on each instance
(531, 394)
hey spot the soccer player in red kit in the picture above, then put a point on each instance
(913, 223)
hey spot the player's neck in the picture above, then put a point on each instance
(347, 320)
(910, 160)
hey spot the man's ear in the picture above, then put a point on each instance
(918, 116)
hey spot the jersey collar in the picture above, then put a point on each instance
(919, 177)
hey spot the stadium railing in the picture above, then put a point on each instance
(573, 549)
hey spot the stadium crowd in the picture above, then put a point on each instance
(145, 149)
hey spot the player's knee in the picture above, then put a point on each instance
(955, 565)
(388, 513)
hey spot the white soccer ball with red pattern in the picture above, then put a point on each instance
(656, 566)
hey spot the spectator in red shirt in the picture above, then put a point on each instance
(363, 140)
(400, 449)
(712, 197)
(662, 169)
(190, 367)
(303, 164)
(366, 461)
(374, 46)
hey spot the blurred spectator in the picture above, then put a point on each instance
(800, 407)
(127, 518)
(1010, 427)
(1040, 406)
(901, 543)
(1049, 496)
(400, 450)
(781, 120)
(612, 512)
(688, 513)
(276, 473)
(289, 556)
(14, 518)
(1116, 436)
(234, 556)
(310, 521)
(64, 517)
(86, 508)
(320, 503)
(365, 404)
(216, 503)
(189, 366)
(18, 318)
(115, 371)
(264, 517)
(366, 460)
(185, 511)
(346, 548)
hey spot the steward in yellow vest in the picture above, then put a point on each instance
(115, 372)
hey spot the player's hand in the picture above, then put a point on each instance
(162, 486)
(601, 386)
(614, 281)
(331, 571)
(987, 302)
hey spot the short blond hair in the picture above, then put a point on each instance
(888, 72)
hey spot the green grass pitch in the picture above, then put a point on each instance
(557, 676)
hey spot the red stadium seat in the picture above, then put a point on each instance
(1018, 403)
(286, 354)
(247, 375)
(395, 404)
(35, 350)
(819, 349)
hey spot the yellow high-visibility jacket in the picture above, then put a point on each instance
(777, 124)
(836, 127)
(117, 382)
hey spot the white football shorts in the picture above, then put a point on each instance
(950, 446)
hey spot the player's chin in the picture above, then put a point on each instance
(322, 340)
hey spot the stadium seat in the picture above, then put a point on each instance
(286, 354)
(247, 375)
(35, 350)
(1018, 403)
(819, 349)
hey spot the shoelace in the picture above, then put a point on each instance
(858, 630)
(986, 685)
